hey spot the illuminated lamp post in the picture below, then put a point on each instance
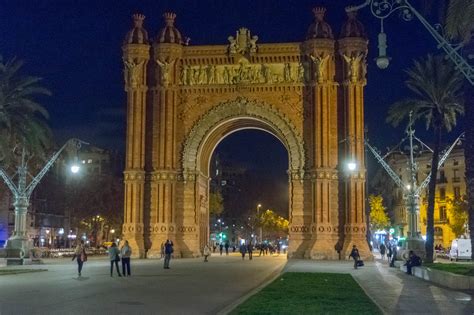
(382, 9)
(18, 245)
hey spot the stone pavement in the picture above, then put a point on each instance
(189, 287)
(194, 287)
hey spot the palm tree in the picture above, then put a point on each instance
(436, 84)
(459, 26)
(23, 121)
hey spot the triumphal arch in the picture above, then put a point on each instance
(183, 99)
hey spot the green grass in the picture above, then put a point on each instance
(310, 293)
(460, 269)
(5, 272)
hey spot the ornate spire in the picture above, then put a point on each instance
(319, 28)
(353, 27)
(169, 33)
(137, 35)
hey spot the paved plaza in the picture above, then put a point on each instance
(194, 287)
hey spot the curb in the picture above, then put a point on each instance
(368, 295)
(275, 274)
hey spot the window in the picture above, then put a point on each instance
(438, 231)
(428, 165)
(455, 162)
(457, 192)
(89, 161)
(442, 213)
(442, 193)
(456, 178)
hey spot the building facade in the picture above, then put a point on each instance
(183, 99)
(451, 185)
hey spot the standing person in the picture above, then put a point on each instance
(250, 250)
(389, 252)
(394, 254)
(355, 255)
(114, 256)
(206, 252)
(126, 252)
(382, 250)
(227, 248)
(262, 250)
(221, 248)
(243, 250)
(168, 251)
(80, 256)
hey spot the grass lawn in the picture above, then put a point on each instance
(6, 271)
(460, 269)
(310, 293)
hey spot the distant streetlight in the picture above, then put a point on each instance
(112, 231)
(75, 168)
(18, 244)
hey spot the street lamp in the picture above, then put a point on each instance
(260, 223)
(411, 191)
(351, 166)
(18, 244)
(382, 9)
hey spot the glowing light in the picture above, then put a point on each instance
(408, 186)
(75, 169)
(351, 166)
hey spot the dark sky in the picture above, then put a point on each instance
(76, 47)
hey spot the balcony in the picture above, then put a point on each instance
(456, 179)
(441, 221)
(442, 180)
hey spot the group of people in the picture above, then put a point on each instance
(117, 255)
(391, 250)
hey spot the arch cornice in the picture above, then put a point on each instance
(243, 108)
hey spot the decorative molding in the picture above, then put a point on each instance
(243, 107)
(243, 43)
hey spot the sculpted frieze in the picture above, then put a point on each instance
(244, 73)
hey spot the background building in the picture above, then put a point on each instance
(451, 185)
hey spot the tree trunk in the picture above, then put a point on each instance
(469, 147)
(431, 197)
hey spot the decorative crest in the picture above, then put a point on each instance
(138, 20)
(243, 43)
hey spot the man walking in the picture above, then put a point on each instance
(168, 251)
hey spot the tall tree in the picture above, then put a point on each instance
(379, 219)
(460, 26)
(458, 215)
(23, 121)
(438, 102)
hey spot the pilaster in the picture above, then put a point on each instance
(353, 51)
(135, 58)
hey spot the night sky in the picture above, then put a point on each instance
(76, 47)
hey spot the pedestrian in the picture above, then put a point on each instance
(80, 256)
(114, 256)
(206, 252)
(394, 254)
(413, 261)
(126, 252)
(389, 252)
(221, 248)
(250, 250)
(355, 255)
(243, 250)
(382, 250)
(168, 251)
(227, 248)
(262, 250)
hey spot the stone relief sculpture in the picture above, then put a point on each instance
(243, 43)
(165, 71)
(319, 66)
(353, 66)
(244, 73)
(132, 73)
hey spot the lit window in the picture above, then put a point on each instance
(89, 161)
(83, 161)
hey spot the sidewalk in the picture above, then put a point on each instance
(392, 290)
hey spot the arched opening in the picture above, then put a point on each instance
(248, 192)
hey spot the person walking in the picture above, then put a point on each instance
(206, 252)
(168, 251)
(394, 254)
(126, 252)
(243, 250)
(114, 256)
(355, 255)
(80, 256)
(382, 250)
(227, 248)
(250, 250)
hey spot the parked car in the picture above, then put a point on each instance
(460, 249)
